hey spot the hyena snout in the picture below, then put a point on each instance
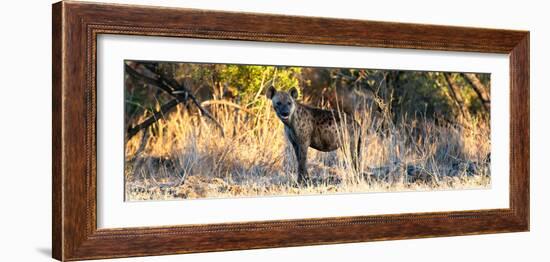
(283, 111)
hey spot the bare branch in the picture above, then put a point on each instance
(227, 103)
(171, 87)
(164, 109)
(159, 83)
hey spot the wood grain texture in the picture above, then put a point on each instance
(57, 195)
(76, 26)
(519, 129)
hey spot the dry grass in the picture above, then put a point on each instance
(188, 158)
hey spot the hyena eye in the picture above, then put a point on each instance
(288, 103)
(278, 103)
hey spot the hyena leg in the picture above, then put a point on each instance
(298, 154)
(355, 152)
(301, 155)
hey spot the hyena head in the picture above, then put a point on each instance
(284, 103)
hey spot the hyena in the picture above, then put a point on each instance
(307, 126)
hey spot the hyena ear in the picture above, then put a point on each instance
(270, 92)
(294, 92)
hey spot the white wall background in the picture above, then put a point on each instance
(25, 129)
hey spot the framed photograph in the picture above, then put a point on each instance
(182, 130)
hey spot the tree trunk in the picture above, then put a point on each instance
(457, 95)
(480, 89)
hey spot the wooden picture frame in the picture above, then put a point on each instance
(76, 26)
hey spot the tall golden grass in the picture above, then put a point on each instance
(185, 156)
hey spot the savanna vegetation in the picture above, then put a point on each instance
(207, 130)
